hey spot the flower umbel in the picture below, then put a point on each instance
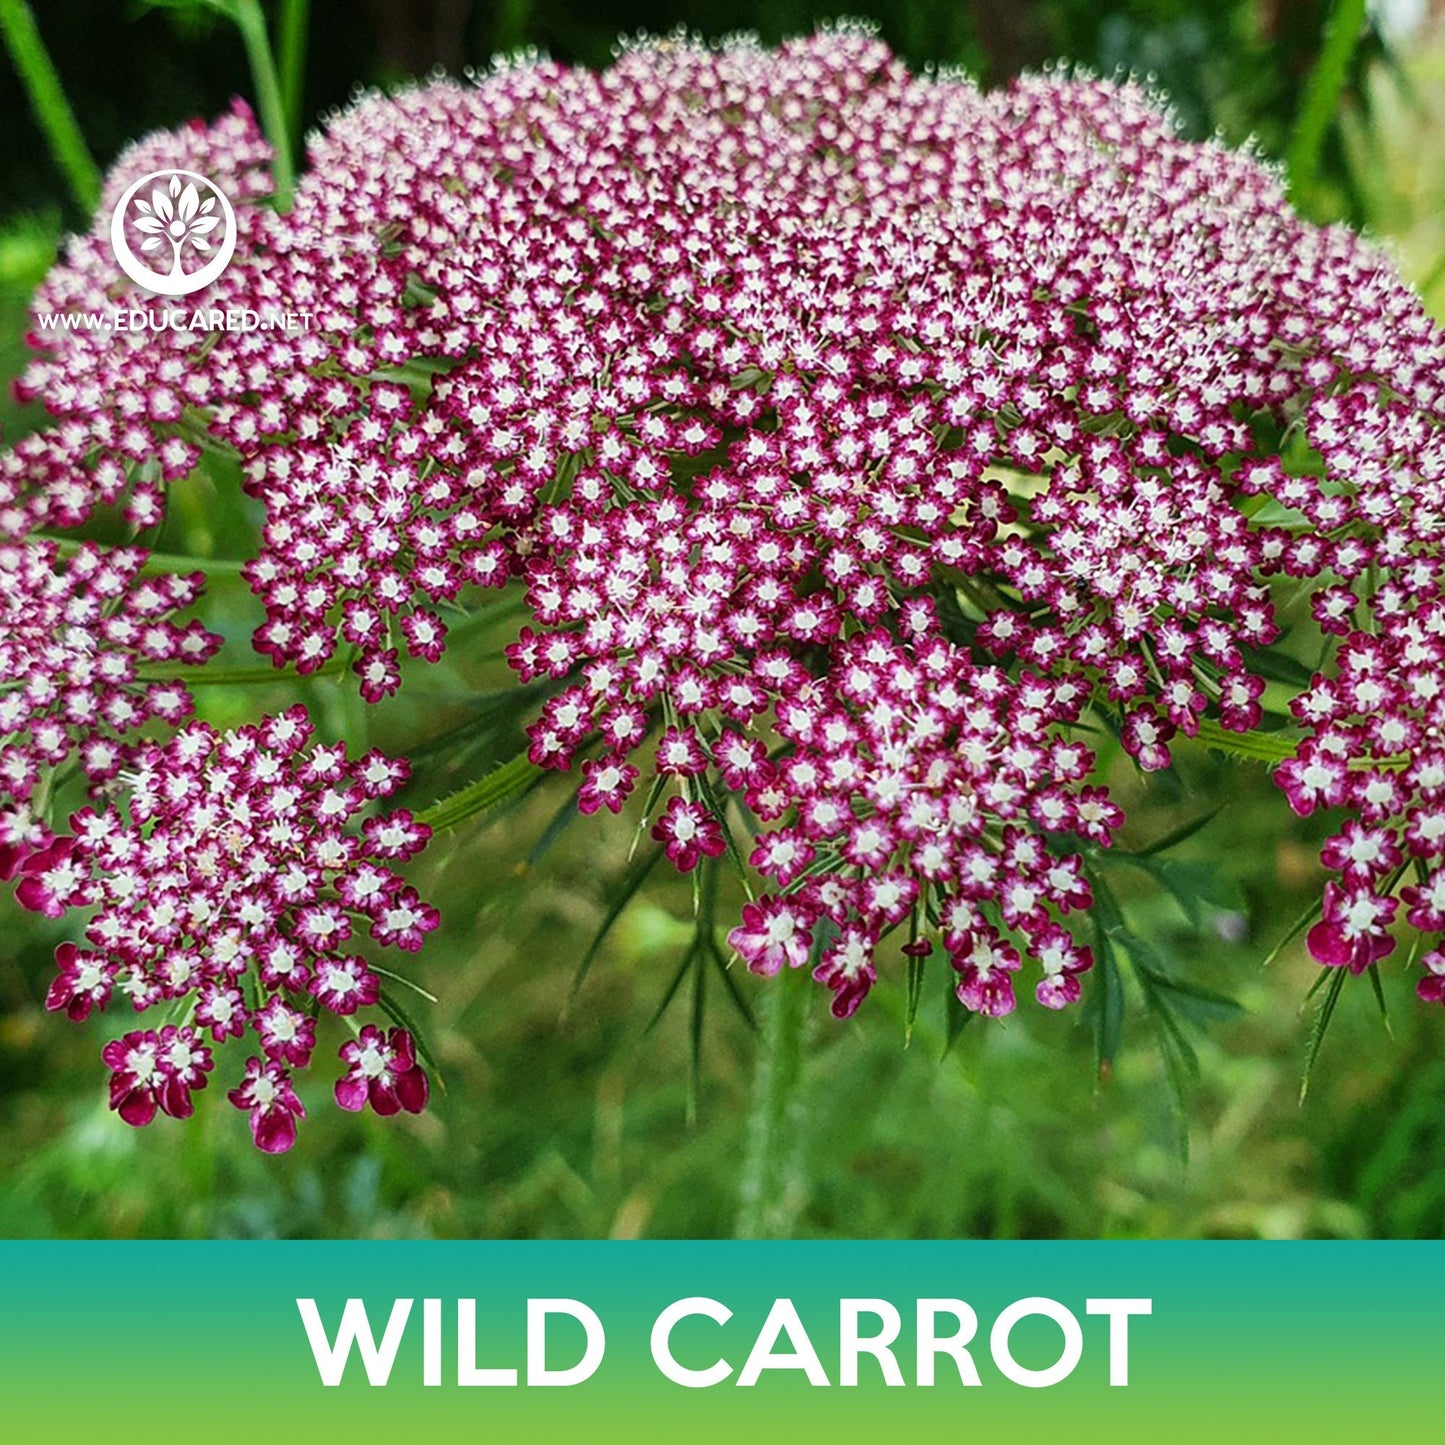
(232, 884)
(852, 439)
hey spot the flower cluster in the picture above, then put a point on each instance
(1376, 747)
(230, 889)
(850, 433)
(79, 631)
(919, 784)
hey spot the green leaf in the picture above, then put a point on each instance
(1181, 1069)
(957, 626)
(1175, 836)
(485, 616)
(1379, 992)
(1192, 883)
(1171, 1002)
(1106, 1003)
(560, 821)
(28, 244)
(1200, 1006)
(1317, 1030)
(717, 806)
(401, 978)
(1276, 665)
(1314, 911)
(1326, 84)
(916, 969)
(1269, 748)
(216, 7)
(495, 723)
(250, 20)
(399, 1015)
(956, 1017)
(730, 983)
(649, 806)
(634, 880)
(668, 994)
(696, 1017)
(292, 28)
(49, 103)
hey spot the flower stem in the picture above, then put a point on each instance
(47, 99)
(1322, 98)
(241, 676)
(502, 785)
(292, 29)
(773, 1180)
(269, 98)
(1254, 747)
(156, 563)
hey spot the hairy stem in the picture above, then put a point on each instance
(503, 785)
(773, 1179)
(47, 99)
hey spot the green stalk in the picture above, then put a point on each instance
(1254, 747)
(514, 18)
(1322, 97)
(1274, 748)
(269, 97)
(502, 785)
(156, 563)
(47, 99)
(771, 1193)
(242, 676)
(292, 31)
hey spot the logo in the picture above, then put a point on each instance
(183, 228)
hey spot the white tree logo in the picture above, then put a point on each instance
(180, 217)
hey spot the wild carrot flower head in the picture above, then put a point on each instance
(850, 433)
(234, 885)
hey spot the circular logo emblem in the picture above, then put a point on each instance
(173, 232)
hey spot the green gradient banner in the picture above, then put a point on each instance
(137, 1342)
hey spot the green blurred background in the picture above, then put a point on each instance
(569, 1116)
